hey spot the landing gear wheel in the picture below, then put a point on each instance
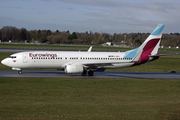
(20, 71)
(91, 73)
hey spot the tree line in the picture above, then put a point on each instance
(89, 38)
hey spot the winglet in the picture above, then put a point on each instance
(89, 50)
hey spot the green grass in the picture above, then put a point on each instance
(62, 47)
(71, 47)
(44, 98)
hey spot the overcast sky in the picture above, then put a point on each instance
(110, 16)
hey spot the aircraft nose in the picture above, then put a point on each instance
(4, 62)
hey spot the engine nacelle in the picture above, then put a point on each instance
(74, 69)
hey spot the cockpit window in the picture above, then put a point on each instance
(12, 57)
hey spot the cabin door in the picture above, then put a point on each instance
(25, 58)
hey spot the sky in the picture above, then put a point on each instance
(107, 16)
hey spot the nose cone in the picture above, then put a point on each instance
(4, 62)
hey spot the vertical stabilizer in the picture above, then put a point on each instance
(149, 47)
(151, 44)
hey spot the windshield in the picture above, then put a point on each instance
(12, 57)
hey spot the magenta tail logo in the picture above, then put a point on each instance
(149, 47)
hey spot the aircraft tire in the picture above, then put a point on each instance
(91, 73)
(20, 71)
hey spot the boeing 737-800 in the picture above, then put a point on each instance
(83, 62)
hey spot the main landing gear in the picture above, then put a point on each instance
(90, 73)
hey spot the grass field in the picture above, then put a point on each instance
(93, 99)
(126, 99)
(72, 47)
(61, 47)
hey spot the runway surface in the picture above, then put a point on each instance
(60, 74)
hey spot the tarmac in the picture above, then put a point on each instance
(61, 74)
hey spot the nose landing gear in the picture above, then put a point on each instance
(20, 71)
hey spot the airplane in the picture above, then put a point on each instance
(87, 61)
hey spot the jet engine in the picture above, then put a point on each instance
(74, 69)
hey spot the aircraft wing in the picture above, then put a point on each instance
(96, 65)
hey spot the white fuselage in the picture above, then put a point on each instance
(59, 59)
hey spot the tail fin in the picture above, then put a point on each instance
(149, 48)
